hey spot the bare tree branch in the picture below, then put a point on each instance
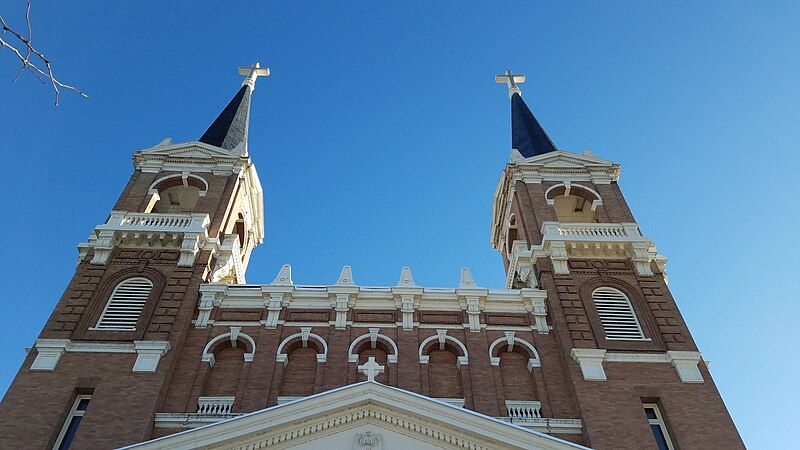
(25, 60)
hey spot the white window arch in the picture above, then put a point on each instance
(617, 315)
(509, 341)
(306, 337)
(235, 335)
(374, 336)
(441, 336)
(125, 305)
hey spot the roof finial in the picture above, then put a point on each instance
(252, 73)
(511, 80)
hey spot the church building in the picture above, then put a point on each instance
(159, 342)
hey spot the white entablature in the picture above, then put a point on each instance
(405, 297)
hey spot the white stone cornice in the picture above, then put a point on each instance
(149, 353)
(591, 362)
(342, 298)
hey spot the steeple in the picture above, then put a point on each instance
(527, 135)
(229, 130)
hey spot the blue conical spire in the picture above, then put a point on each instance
(229, 130)
(527, 135)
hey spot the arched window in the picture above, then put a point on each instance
(573, 202)
(177, 193)
(125, 305)
(616, 314)
(517, 382)
(239, 229)
(513, 233)
(223, 378)
(300, 373)
(444, 376)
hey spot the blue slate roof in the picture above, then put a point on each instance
(527, 135)
(230, 128)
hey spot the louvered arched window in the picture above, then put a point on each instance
(125, 305)
(616, 314)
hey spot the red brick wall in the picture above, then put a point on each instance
(123, 403)
(223, 378)
(443, 375)
(300, 373)
(517, 383)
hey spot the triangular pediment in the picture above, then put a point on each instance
(566, 160)
(189, 150)
(364, 415)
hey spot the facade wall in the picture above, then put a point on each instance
(124, 403)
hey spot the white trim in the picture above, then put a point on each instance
(637, 357)
(392, 358)
(48, 352)
(233, 335)
(512, 340)
(148, 353)
(441, 335)
(591, 362)
(687, 365)
(567, 188)
(304, 335)
(183, 176)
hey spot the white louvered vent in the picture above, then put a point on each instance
(125, 305)
(617, 315)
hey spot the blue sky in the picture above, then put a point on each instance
(380, 137)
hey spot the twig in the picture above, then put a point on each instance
(31, 51)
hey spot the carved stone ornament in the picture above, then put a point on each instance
(368, 441)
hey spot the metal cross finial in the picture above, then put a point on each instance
(252, 73)
(511, 80)
(371, 368)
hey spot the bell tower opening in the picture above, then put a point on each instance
(571, 208)
(177, 199)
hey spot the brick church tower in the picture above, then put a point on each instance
(158, 342)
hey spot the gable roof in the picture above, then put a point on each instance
(420, 417)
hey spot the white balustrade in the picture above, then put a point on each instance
(519, 409)
(187, 232)
(165, 222)
(215, 406)
(591, 231)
